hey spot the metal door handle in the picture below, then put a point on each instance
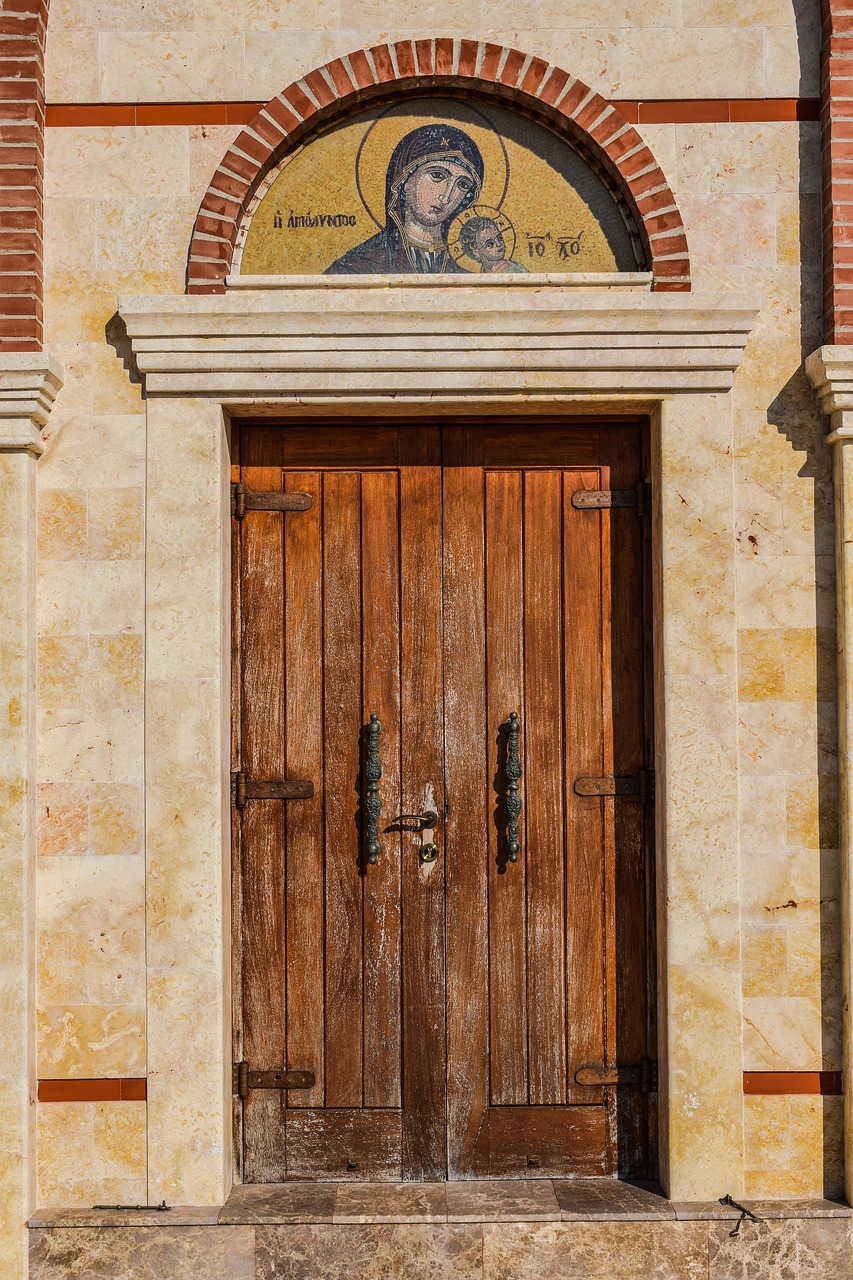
(513, 799)
(372, 799)
(427, 820)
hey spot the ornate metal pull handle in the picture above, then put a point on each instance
(372, 799)
(513, 799)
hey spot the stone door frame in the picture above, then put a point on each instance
(314, 347)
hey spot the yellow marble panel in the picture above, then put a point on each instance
(116, 669)
(709, 63)
(138, 160)
(730, 229)
(762, 808)
(91, 1153)
(171, 66)
(94, 745)
(63, 671)
(793, 1147)
(71, 67)
(102, 597)
(116, 818)
(102, 451)
(812, 812)
(764, 958)
(745, 159)
(63, 820)
(85, 1041)
(62, 525)
(116, 522)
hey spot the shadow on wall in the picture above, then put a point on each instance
(795, 414)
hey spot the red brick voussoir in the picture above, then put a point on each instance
(23, 28)
(529, 84)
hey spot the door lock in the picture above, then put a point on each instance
(429, 852)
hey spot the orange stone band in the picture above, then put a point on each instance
(132, 1090)
(827, 1083)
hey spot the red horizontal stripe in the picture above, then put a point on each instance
(131, 1090)
(662, 111)
(779, 1082)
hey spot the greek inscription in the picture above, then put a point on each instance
(568, 245)
(300, 221)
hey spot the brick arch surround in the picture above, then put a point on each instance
(367, 76)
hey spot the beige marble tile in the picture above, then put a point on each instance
(764, 957)
(92, 745)
(100, 598)
(122, 160)
(86, 1040)
(725, 13)
(730, 229)
(63, 820)
(762, 813)
(611, 14)
(208, 144)
(62, 525)
(812, 812)
(708, 63)
(532, 1201)
(742, 159)
(143, 1253)
(277, 57)
(401, 1202)
(170, 66)
(71, 67)
(595, 1251)
(136, 235)
(91, 1152)
(116, 670)
(404, 1252)
(265, 16)
(63, 671)
(70, 242)
(189, 1104)
(594, 56)
(102, 15)
(783, 1035)
(116, 818)
(792, 59)
(777, 736)
(103, 451)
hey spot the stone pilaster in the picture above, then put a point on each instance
(830, 370)
(28, 386)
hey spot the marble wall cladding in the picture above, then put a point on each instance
(155, 1253)
(91, 1153)
(174, 50)
(793, 1146)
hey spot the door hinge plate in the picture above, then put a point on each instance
(643, 1076)
(243, 789)
(243, 1080)
(243, 500)
(641, 785)
(603, 499)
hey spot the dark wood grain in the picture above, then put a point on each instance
(507, 881)
(303, 568)
(344, 1144)
(380, 610)
(468, 817)
(342, 727)
(543, 827)
(262, 837)
(422, 734)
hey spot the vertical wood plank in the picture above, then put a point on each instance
(469, 816)
(303, 567)
(507, 881)
(584, 704)
(543, 744)
(381, 666)
(424, 1088)
(236, 823)
(341, 759)
(263, 822)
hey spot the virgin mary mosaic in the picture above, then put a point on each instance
(436, 187)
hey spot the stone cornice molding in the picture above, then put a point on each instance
(312, 341)
(29, 384)
(830, 371)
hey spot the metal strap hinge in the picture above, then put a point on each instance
(601, 499)
(243, 1080)
(641, 785)
(644, 1076)
(243, 500)
(243, 789)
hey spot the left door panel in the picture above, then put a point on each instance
(321, 593)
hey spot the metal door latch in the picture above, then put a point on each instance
(643, 1076)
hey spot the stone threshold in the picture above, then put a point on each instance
(349, 1203)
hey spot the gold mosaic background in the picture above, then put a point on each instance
(561, 216)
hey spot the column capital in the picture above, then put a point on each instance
(29, 384)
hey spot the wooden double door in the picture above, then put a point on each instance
(465, 1000)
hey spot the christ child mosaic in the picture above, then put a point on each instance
(436, 186)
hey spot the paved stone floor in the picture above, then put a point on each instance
(533, 1230)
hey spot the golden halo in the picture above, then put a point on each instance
(383, 134)
(478, 211)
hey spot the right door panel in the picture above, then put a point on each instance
(547, 955)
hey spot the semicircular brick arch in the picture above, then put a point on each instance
(409, 66)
